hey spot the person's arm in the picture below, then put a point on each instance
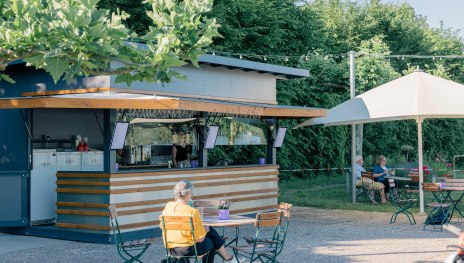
(174, 153)
(378, 172)
(200, 231)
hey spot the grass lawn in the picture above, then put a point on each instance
(329, 192)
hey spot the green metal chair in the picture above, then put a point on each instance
(402, 205)
(130, 250)
(180, 223)
(279, 235)
(259, 248)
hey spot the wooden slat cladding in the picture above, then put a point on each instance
(142, 195)
(81, 204)
(164, 201)
(154, 223)
(86, 183)
(169, 172)
(82, 175)
(62, 92)
(105, 214)
(198, 171)
(159, 188)
(83, 226)
(151, 209)
(88, 103)
(166, 180)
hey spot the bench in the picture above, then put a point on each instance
(366, 189)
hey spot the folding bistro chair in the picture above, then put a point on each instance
(278, 238)
(402, 205)
(411, 190)
(130, 250)
(257, 249)
(180, 223)
(440, 213)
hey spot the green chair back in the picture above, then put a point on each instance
(179, 223)
(129, 250)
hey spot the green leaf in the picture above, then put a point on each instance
(56, 67)
(7, 78)
(35, 60)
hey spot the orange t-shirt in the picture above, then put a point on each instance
(180, 238)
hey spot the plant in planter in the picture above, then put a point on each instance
(223, 209)
(194, 161)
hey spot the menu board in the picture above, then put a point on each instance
(212, 135)
(119, 135)
(280, 137)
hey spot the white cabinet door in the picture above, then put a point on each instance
(92, 161)
(43, 187)
(68, 161)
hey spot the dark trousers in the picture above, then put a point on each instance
(211, 243)
(387, 185)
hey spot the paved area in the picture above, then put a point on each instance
(316, 235)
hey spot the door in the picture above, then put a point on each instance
(14, 168)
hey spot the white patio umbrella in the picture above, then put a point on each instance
(415, 96)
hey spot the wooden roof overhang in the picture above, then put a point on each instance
(108, 100)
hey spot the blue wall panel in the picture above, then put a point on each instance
(13, 141)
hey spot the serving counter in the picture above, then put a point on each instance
(140, 195)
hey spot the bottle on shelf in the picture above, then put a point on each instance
(80, 147)
(78, 141)
(85, 146)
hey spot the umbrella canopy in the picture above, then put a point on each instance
(415, 96)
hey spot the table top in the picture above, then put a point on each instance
(399, 178)
(233, 221)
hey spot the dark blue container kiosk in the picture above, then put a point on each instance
(49, 189)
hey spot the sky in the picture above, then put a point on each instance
(448, 11)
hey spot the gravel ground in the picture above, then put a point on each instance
(315, 235)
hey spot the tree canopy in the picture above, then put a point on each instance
(316, 35)
(72, 38)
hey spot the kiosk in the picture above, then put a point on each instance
(39, 116)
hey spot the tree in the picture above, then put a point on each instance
(72, 38)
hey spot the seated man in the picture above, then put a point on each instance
(367, 182)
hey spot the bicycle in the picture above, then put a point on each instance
(458, 255)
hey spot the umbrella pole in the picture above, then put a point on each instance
(421, 165)
(353, 162)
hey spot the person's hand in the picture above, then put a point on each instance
(206, 228)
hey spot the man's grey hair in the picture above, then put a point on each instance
(358, 158)
(183, 188)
